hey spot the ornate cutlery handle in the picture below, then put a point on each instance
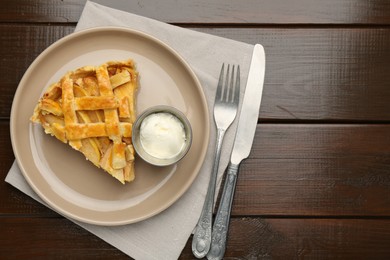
(202, 235)
(221, 225)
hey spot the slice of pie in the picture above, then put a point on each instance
(93, 109)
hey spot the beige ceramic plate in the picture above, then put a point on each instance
(61, 176)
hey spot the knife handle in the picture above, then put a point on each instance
(221, 224)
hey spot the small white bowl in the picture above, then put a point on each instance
(136, 136)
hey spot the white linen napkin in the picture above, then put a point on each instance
(165, 235)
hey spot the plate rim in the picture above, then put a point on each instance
(18, 97)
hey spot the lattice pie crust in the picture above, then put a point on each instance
(93, 109)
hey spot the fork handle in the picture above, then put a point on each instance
(202, 235)
(222, 219)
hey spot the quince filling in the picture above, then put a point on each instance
(93, 109)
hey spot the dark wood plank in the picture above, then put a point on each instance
(249, 238)
(12, 200)
(259, 238)
(51, 238)
(316, 170)
(321, 74)
(6, 153)
(313, 187)
(27, 11)
(202, 11)
(21, 44)
(293, 170)
(317, 74)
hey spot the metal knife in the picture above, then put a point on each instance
(246, 128)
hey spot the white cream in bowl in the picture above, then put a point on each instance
(162, 135)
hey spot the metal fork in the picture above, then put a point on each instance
(225, 110)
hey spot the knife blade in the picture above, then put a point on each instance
(243, 141)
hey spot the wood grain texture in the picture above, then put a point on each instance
(316, 170)
(311, 74)
(259, 238)
(21, 44)
(206, 12)
(322, 74)
(51, 238)
(254, 238)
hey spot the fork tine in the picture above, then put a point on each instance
(225, 94)
(230, 94)
(228, 90)
(218, 95)
(237, 87)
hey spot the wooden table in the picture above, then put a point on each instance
(317, 183)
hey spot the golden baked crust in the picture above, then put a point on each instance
(93, 109)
